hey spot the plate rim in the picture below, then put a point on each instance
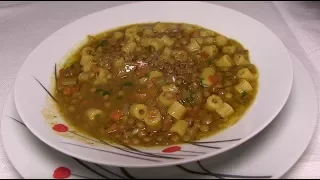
(207, 155)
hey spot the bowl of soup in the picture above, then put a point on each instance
(154, 89)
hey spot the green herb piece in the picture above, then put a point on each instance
(102, 43)
(105, 93)
(201, 84)
(209, 62)
(243, 94)
(128, 83)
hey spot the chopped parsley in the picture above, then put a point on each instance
(105, 93)
(201, 84)
(209, 62)
(102, 43)
(128, 83)
(102, 92)
(243, 94)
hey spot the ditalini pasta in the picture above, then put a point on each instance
(177, 110)
(139, 111)
(156, 84)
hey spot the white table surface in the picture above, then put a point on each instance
(24, 26)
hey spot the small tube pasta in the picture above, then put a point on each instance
(171, 88)
(206, 73)
(153, 119)
(225, 110)
(165, 101)
(246, 74)
(85, 59)
(93, 113)
(209, 40)
(143, 80)
(156, 43)
(187, 28)
(160, 27)
(166, 54)
(103, 76)
(229, 49)
(167, 41)
(228, 95)
(88, 51)
(167, 51)
(221, 40)
(87, 67)
(211, 50)
(180, 127)
(193, 45)
(118, 63)
(213, 103)
(179, 55)
(154, 74)
(83, 77)
(145, 42)
(205, 33)
(224, 61)
(240, 60)
(243, 86)
(118, 35)
(129, 47)
(200, 40)
(138, 111)
(177, 110)
(132, 33)
(148, 32)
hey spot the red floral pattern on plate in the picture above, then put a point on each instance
(171, 149)
(60, 128)
(61, 173)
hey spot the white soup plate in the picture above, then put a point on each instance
(34, 80)
(270, 154)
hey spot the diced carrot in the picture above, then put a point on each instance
(213, 79)
(150, 84)
(116, 115)
(113, 128)
(94, 68)
(203, 55)
(142, 72)
(74, 89)
(195, 34)
(67, 91)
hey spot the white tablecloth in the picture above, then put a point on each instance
(24, 26)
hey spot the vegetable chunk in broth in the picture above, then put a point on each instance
(156, 84)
